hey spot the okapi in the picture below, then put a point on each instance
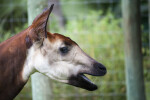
(52, 54)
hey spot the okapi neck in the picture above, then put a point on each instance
(13, 54)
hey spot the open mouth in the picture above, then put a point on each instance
(82, 81)
(88, 84)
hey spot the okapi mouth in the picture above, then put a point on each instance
(83, 82)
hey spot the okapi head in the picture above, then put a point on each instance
(58, 57)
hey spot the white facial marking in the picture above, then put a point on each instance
(28, 65)
(49, 61)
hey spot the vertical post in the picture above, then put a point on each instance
(133, 55)
(41, 87)
(149, 22)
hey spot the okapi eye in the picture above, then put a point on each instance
(64, 50)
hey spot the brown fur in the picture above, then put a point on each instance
(54, 37)
(12, 56)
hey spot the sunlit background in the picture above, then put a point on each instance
(96, 25)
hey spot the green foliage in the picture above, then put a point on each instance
(14, 7)
(7, 34)
(12, 13)
(73, 8)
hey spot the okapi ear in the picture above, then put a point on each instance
(40, 23)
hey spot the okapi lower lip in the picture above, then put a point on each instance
(86, 79)
(83, 82)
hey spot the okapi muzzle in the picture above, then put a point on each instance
(52, 54)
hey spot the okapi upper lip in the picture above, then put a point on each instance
(97, 70)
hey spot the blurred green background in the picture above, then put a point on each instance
(96, 26)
